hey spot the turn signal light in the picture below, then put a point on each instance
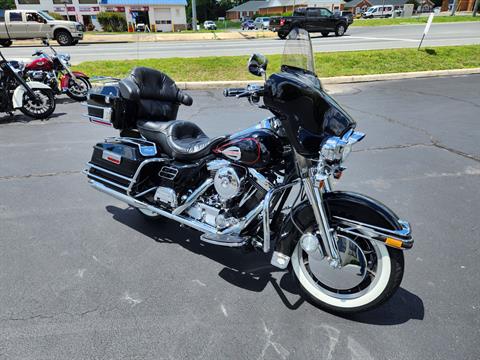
(393, 243)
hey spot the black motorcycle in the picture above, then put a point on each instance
(31, 98)
(267, 187)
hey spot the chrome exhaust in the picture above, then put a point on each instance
(197, 225)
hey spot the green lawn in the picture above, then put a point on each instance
(328, 64)
(417, 20)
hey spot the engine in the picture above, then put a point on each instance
(233, 195)
(45, 77)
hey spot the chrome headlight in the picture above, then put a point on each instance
(336, 149)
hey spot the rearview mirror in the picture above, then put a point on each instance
(257, 65)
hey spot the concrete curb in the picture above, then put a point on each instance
(205, 85)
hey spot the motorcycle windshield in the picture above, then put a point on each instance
(298, 53)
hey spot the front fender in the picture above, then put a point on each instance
(346, 205)
(17, 98)
(65, 80)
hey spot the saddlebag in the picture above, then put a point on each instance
(116, 161)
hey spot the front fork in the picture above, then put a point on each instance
(313, 189)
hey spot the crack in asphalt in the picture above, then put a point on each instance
(434, 141)
(42, 316)
(59, 173)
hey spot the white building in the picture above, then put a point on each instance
(83, 11)
(166, 15)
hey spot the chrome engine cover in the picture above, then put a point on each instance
(228, 182)
(166, 196)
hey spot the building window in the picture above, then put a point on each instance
(61, 2)
(29, 2)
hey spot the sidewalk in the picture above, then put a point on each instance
(153, 37)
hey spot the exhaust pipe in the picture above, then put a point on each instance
(141, 205)
(197, 225)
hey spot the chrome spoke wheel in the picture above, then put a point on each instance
(39, 105)
(79, 87)
(360, 278)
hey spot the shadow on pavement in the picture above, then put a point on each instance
(251, 270)
(20, 118)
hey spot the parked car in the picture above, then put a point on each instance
(262, 23)
(346, 14)
(311, 19)
(209, 25)
(33, 24)
(140, 27)
(379, 11)
(248, 25)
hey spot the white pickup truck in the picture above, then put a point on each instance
(32, 24)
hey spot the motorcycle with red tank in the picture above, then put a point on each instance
(54, 70)
(266, 188)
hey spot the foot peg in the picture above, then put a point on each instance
(224, 240)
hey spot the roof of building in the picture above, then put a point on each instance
(303, 3)
(143, 2)
(252, 5)
(354, 3)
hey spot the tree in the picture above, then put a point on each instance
(7, 4)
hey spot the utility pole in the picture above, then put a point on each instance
(454, 8)
(194, 15)
(475, 7)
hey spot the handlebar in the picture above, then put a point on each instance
(249, 91)
(232, 92)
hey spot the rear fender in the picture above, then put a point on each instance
(17, 99)
(349, 213)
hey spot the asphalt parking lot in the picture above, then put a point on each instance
(82, 276)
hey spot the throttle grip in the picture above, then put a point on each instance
(232, 92)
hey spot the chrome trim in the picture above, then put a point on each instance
(140, 167)
(140, 143)
(266, 212)
(193, 197)
(372, 232)
(315, 198)
(204, 228)
(90, 165)
(260, 179)
(105, 180)
(145, 192)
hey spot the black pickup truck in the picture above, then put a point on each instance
(312, 19)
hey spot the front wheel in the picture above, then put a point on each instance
(6, 43)
(370, 273)
(282, 36)
(340, 30)
(64, 38)
(40, 107)
(78, 89)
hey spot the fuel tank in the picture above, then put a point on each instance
(256, 148)
(40, 63)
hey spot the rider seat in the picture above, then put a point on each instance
(182, 140)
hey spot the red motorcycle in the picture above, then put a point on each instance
(54, 71)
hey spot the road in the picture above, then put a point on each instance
(84, 277)
(357, 38)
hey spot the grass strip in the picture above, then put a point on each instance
(328, 64)
(417, 20)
